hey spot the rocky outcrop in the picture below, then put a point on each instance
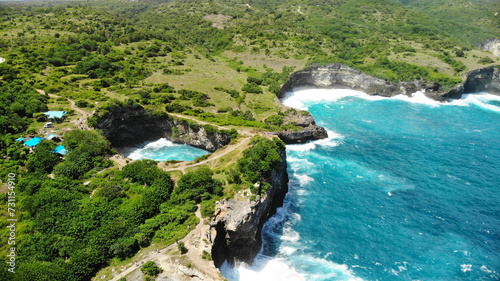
(342, 76)
(130, 126)
(237, 224)
(486, 79)
(491, 45)
(308, 128)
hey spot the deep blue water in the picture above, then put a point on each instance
(163, 150)
(404, 189)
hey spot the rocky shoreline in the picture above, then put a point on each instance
(236, 228)
(342, 76)
(238, 224)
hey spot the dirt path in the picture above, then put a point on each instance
(82, 114)
(197, 121)
(157, 254)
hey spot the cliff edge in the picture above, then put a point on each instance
(130, 126)
(342, 76)
(486, 79)
(237, 225)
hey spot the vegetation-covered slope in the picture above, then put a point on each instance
(220, 61)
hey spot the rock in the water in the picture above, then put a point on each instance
(312, 132)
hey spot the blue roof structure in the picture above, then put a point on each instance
(20, 139)
(33, 142)
(52, 136)
(55, 114)
(61, 150)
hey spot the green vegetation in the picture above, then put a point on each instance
(150, 268)
(206, 255)
(259, 162)
(18, 104)
(78, 213)
(181, 247)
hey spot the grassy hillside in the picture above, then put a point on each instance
(219, 61)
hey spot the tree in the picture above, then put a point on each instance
(43, 159)
(252, 88)
(181, 247)
(150, 268)
(198, 185)
(261, 159)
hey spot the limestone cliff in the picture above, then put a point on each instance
(491, 45)
(308, 128)
(237, 225)
(486, 79)
(342, 76)
(337, 75)
(130, 126)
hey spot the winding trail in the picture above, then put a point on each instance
(197, 121)
(229, 148)
(155, 255)
(82, 114)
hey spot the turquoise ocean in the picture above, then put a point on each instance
(403, 189)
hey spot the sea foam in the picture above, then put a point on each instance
(163, 149)
(301, 98)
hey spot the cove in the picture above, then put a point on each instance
(164, 150)
(403, 189)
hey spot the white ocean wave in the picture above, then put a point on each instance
(290, 235)
(482, 100)
(150, 148)
(262, 270)
(301, 147)
(300, 96)
(277, 269)
(287, 250)
(322, 269)
(303, 179)
(333, 140)
(418, 98)
(466, 267)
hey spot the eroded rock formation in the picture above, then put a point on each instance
(237, 224)
(491, 45)
(342, 76)
(130, 126)
(337, 75)
(486, 79)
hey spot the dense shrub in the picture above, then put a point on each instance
(261, 159)
(252, 88)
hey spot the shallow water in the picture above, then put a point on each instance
(403, 189)
(164, 150)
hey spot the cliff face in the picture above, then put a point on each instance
(127, 126)
(337, 75)
(486, 79)
(492, 45)
(308, 131)
(342, 76)
(237, 224)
